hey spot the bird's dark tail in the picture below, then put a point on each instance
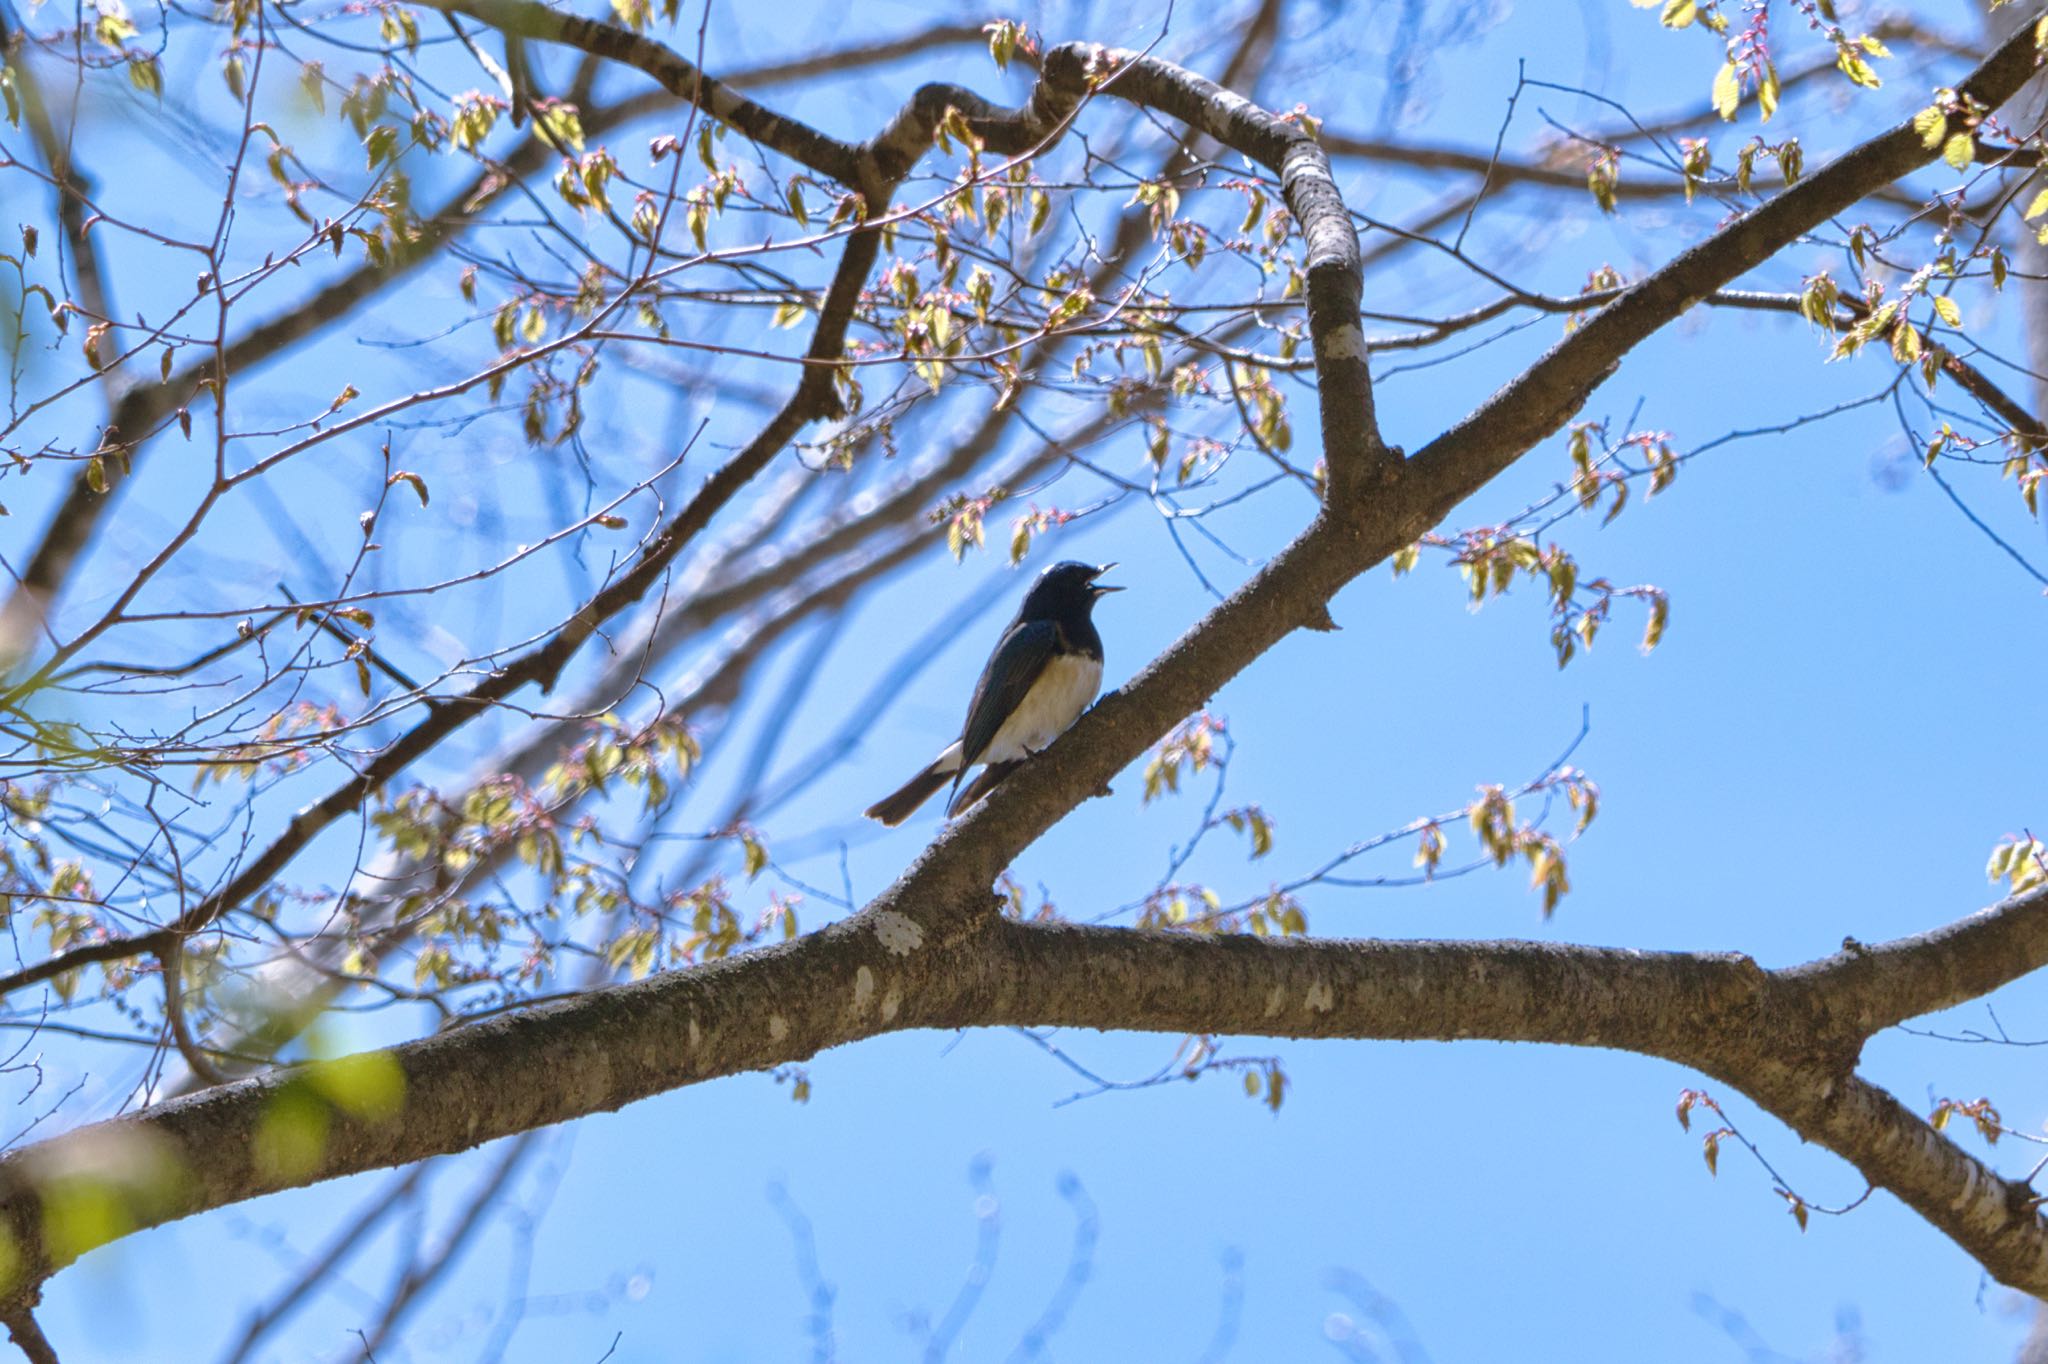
(982, 784)
(895, 808)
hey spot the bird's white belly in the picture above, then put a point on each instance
(1054, 702)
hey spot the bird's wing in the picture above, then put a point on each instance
(1012, 669)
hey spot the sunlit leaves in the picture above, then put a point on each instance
(475, 115)
(581, 181)
(1689, 1099)
(1190, 746)
(399, 27)
(1602, 176)
(780, 917)
(1727, 92)
(647, 759)
(1877, 323)
(283, 743)
(145, 74)
(1161, 201)
(713, 928)
(1254, 389)
(1817, 300)
(1033, 523)
(93, 347)
(1493, 559)
(2021, 862)
(381, 144)
(1255, 822)
(1006, 37)
(1267, 1083)
(1696, 158)
(964, 518)
(697, 216)
(1178, 906)
(1501, 837)
(634, 951)
(561, 123)
(1851, 58)
(1659, 617)
(2028, 474)
(111, 26)
(754, 852)
(1492, 818)
(1791, 160)
(1710, 1149)
(411, 480)
(1982, 1113)
(1767, 91)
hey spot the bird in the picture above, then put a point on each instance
(1044, 672)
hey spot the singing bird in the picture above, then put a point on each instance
(1043, 673)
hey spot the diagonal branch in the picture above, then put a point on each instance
(1293, 590)
(676, 74)
(932, 951)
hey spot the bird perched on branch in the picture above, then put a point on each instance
(1043, 673)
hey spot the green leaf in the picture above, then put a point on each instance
(1856, 69)
(381, 144)
(1932, 125)
(145, 75)
(1959, 151)
(1727, 92)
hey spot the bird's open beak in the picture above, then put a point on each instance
(1100, 588)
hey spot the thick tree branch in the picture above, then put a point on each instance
(1869, 988)
(308, 980)
(1771, 1033)
(931, 951)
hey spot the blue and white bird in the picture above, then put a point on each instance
(1044, 672)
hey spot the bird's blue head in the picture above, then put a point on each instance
(1066, 589)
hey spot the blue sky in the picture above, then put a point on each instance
(1828, 742)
